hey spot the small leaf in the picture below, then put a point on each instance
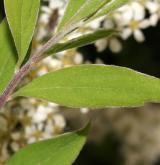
(62, 150)
(22, 17)
(81, 41)
(94, 86)
(111, 6)
(7, 55)
(79, 10)
(72, 7)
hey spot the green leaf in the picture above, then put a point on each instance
(111, 6)
(79, 10)
(22, 17)
(7, 55)
(62, 150)
(72, 7)
(94, 86)
(81, 41)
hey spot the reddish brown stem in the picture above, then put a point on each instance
(13, 83)
(34, 59)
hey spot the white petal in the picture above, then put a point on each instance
(144, 24)
(154, 19)
(138, 35)
(101, 45)
(115, 45)
(152, 6)
(138, 10)
(126, 33)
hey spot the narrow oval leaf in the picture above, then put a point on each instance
(62, 150)
(22, 17)
(94, 86)
(79, 10)
(111, 6)
(72, 7)
(7, 55)
(81, 41)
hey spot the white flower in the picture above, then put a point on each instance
(129, 20)
(43, 121)
(154, 9)
(40, 115)
(132, 21)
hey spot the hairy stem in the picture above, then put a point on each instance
(13, 83)
(36, 57)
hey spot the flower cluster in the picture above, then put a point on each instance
(26, 121)
(129, 20)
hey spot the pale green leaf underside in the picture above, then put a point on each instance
(81, 41)
(7, 55)
(61, 150)
(94, 86)
(22, 17)
(79, 10)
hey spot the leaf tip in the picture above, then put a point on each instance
(85, 130)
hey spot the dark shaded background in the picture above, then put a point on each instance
(1, 10)
(144, 57)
